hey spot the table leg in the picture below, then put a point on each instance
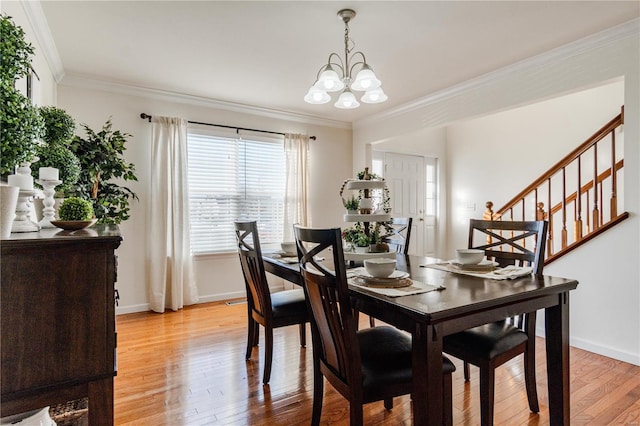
(557, 343)
(101, 402)
(427, 375)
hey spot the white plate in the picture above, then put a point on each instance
(484, 266)
(395, 275)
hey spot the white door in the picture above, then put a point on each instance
(405, 176)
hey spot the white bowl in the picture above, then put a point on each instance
(380, 267)
(469, 256)
(288, 247)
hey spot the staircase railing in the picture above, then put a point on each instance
(574, 188)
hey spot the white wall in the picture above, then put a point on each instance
(218, 276)
(604, 310)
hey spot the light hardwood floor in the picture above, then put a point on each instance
(188, 368)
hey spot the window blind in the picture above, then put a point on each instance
(231, 179)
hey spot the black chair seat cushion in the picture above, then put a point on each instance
(288, 303)
(486, 341)
(386, 357)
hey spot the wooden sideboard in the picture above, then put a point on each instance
(57, 320)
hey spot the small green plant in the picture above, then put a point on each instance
(75, 208)
(352, 203)
(58, 125)
(362, 240)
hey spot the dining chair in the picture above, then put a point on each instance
(275, 310)
(400, 236)
(363, 366)
(520, 243)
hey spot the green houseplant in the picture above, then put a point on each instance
(54, 151)
(101, 156)
(352, 204)
(20, 123)
(76, 208)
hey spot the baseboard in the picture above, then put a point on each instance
(599, 349)
(131, 309)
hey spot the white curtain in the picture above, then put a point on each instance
(171, 283)
(296, 208)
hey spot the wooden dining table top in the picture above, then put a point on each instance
(460, 291)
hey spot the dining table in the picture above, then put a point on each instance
(453, 303)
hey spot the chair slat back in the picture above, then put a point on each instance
(399, 239)
(248, 241)
(327, 293)
(520, 243)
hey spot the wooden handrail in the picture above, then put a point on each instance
(586, 206)
(604, 131)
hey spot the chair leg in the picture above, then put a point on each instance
(355, 413)
(372, 322)
(447, 397)
(251, 337)
(530, 376)
(356, 318)
(465, 368)
(487, 390)
(388, 403)
(318, 394)
(268, 354)
(303, 335)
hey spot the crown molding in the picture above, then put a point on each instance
(42, 32)
(578, 47)
(90, 82)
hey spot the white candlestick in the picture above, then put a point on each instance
(48, 213)
(24, 182)
(48, 173)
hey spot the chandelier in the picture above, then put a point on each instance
(328, 80)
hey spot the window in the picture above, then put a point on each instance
(231, 179)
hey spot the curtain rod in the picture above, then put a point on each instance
(145, 116)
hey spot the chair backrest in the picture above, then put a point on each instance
(325, 284)
(255, 278)
(399, 238)
(520, 243)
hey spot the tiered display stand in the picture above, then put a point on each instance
(366, 214)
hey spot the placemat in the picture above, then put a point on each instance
(510, 272)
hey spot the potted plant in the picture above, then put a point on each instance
(352, 204)
(101, 156)
(76, 209)
(362, 243)
(377, 244)
(54, 151)
(20, 123)
(75, 213)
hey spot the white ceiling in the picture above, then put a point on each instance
(267, 53)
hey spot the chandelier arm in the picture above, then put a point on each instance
(336, 64)
(340, 65)
(353, 65)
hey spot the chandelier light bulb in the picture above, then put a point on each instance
(374, 96)
(329, 80)
(316, 96)
(347, 100)
(365, 80)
